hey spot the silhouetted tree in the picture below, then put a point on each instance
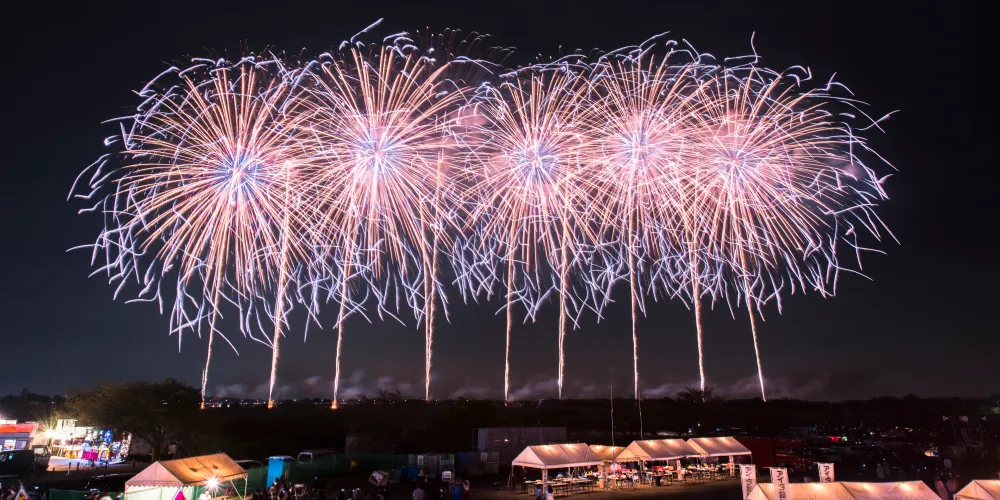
(692, 395)
(157, 412)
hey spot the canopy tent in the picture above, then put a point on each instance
(662, 449)
(614, 453)
(908, 490)
(718, 446)
(980, 490)
(557, 456)
(188, 476)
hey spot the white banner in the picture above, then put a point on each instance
(825, 473)
(779, 478)
(748, 476)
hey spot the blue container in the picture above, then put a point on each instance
(456, 492)
(277, 468)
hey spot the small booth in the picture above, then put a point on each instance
(611, 457)
(558, 456)
(980, 489)
(715, 447)
(193, 478)
(907, 490)
(15, 436)
(663, 450)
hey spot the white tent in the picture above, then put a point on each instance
(614, 453)
(662, 449)
(908, 490)
(718, 446)
(163, 479)
(557, 456)
(980, 490)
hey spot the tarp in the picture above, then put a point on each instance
(662, 449)
(192, 471)
(980, 490)
(557, 456)
(718, 446)
(908, 490)
(614, 453)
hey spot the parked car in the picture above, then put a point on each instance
(109, 482)
(307, 457)
(17, 462)
(42, 456)
(249, 464)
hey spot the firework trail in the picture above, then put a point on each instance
(202, 182)
(357, 173)
(377, 128)
(637, 122)
(531, 181)
(777, 184)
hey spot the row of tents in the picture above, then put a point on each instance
(191, 478)
(563, 456)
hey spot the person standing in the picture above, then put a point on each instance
(939, 487)
(419, 493)
(952, 485)
(549, 494)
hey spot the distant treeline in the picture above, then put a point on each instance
(388, 422)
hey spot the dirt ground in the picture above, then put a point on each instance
(728, 489)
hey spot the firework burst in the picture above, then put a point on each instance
(206, 186)
(377, 127)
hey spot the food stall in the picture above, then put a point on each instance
(612, 458)
(558, 456)
(715, 447)
(206, 476)
(663, 450)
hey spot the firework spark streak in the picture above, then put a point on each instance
(377, 128)
(362, 173)
(531, 181)
(201, 189)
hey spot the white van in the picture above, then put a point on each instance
(307, 457)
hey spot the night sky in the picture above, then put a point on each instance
(926, 324)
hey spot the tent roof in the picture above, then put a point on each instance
(908, 490)
(662, 449)
(718, 446)
(980, 490)
(614, 453)
(192, 471)
(557, 456)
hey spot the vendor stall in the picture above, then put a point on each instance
(718, 446)
(194, 478)
(714, 447)
(558, 456)
(980, 490)
(612, 457)
(908, 490)
(663, 450)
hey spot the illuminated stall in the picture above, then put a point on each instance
(193, 478)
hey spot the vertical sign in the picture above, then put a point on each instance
(825, 473)
(748, 478)
(779, 478)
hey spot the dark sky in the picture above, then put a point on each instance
(926, 325)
